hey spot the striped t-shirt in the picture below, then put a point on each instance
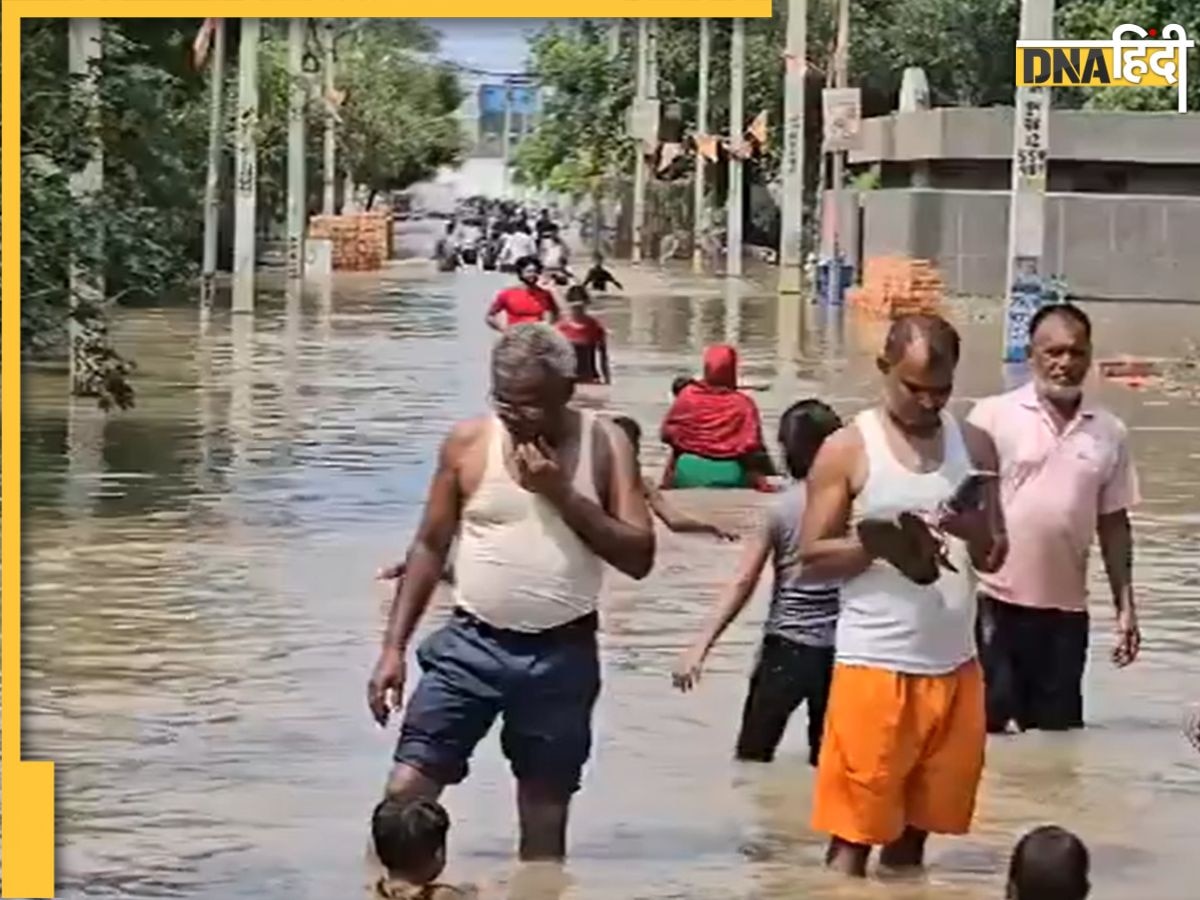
(804, 612)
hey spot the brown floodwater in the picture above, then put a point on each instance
(201, 619)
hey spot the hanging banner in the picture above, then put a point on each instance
(203, 42)
(707, 146)
(842, 109)
(668, 153)
(758, 129)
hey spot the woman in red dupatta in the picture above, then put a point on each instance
(715, 431)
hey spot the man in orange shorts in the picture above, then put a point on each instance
(905, 730)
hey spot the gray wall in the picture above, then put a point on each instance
(1106, 246)
(973, 133)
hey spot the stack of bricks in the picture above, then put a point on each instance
(896, 286)
(360, 242)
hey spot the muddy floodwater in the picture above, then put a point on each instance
(201, 619)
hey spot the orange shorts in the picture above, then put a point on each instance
(900, 750)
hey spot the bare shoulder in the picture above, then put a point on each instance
(466, 436)
(841, 452)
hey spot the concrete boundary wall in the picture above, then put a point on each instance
(1106, 246)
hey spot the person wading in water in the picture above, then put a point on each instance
(904, 736)
(541, 496)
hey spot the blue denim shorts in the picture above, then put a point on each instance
(544, 684)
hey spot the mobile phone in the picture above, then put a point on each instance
(969, 494)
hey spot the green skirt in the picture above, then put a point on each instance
(693, 471)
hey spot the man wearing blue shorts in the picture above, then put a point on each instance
(540, 496)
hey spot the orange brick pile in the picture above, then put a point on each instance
(361, 242)
(896, 286)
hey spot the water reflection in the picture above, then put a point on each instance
(200, 631)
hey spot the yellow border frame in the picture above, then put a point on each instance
(27, 791)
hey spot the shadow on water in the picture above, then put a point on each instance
(201, 616)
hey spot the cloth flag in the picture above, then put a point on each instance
(203, 42)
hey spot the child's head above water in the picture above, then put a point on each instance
(410, 838)
(803, 428)
(680, 382)
(1049, 863)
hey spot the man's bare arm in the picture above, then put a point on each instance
(426, 560)
(1116, 547)
(621, 533)
(828, 551)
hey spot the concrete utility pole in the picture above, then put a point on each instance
(246, 198)
(297, 193)
(737, 127)
(1027, 207)
(699, 207)
(642, 72)
(791, 222)
(212, 184)
(329, 172)
(506, 137)
(84, 50)
(840, 77)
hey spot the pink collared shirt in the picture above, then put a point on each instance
(1053, 487)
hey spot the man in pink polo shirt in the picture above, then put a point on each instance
(1065, 475)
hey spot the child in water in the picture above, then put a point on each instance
(598, 278)
(410, 841)
(671, 517)
(795, 661)
(1049, 863)
(587, 337)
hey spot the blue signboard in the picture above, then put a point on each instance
(523, 99)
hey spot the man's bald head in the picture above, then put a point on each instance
(936, 338)
(917, 364)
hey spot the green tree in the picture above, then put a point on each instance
(398, 121)
(580, 138)
(1096, 19)
(956, 42)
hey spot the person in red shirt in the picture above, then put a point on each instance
(588, 337)
(526, 303)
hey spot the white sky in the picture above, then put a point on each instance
(492, 44)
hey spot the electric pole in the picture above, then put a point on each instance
(212, 183)
(246, 197)
(737, 127)
(699, 207)
(791, 224)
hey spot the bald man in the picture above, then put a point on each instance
(905, 728)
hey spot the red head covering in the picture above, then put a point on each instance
(710, 417)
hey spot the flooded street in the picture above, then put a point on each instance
(201, 619)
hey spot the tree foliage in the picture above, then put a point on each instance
(580, 139)
(1096, 19)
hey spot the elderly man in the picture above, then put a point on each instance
(541, 496)
(1065, 475)
(904, 731)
